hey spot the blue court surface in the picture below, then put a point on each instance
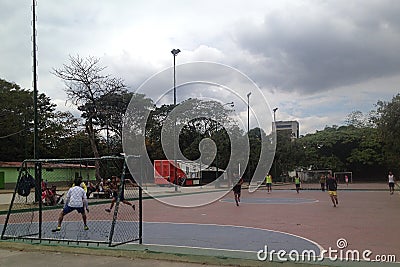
(223, 237)
(188, 235)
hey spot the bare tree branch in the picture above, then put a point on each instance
(86, 86)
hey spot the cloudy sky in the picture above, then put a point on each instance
(317, 61)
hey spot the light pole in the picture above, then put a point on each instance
(248, 112)
(175, 52)
(274, 129)
(35, 90)
(230, 104)
(248, 128)
(274, 110)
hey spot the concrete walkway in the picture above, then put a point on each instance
(40, 257)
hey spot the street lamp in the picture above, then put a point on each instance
(230, 104)
(274, 110)
(248, 112)
(248, 129)
(174, 53)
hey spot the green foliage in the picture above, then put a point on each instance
(289, 154)
(16, 117)
(367, 144)
(345, 148)
(195, 128)
(388, 122)
(16, 124)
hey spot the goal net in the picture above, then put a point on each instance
(312, 176)
(341, 177)
(40, 195)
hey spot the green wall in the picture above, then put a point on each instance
(2, 180)
(51, 175)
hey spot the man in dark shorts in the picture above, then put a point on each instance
(297, 183)
(75, 200)
(268, 182)
(115, 187)
(322, 181)
(237, 191)
(391, 183)
(331, 186)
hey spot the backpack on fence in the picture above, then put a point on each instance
(25, 184)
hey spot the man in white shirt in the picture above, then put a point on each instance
(391, 183)
(76, 200)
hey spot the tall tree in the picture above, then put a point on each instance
(16, 124)
(86, 87)
(359, 119)
(288, 155)
(388, 122)
(345, 148)
(124, 110)
(154, 126)
(198, 119)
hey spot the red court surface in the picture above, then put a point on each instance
(366, 219)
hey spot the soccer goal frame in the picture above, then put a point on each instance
(31, 217)
(312, 176)
(340, 176)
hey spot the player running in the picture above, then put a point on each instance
(115, 187)
(237, 191)
(391, 183)
(331, 185)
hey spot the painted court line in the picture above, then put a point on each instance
(225, 237)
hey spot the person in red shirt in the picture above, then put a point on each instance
(47, 197)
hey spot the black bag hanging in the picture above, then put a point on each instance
(25, 184)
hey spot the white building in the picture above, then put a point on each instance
(293, 126)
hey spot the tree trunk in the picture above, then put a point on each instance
(92, 139)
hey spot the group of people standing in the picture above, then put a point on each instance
(268, 183)
(330, 182)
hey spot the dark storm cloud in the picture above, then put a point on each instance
(326, 46)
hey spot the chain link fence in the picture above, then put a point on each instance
(114, 198)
